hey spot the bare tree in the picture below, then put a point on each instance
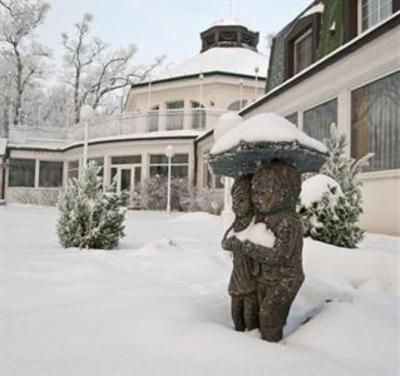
(94, 71)
(22, 54)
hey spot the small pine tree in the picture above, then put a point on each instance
(337, 225)
(327, 214)
(90, 217)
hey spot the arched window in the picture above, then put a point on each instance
(237, 106)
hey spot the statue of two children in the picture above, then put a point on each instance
(265, 280)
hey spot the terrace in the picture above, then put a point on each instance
(198, 119)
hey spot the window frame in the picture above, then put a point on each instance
(35, 167)
(165, 164)
(301, 25)
(306, 34)
(318, 104)
(360, 29)
(61, 183)
(71, 170)
(175, 117)
(372, 174)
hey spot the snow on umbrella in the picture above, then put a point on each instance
(261, 139)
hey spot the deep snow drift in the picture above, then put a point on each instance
(159, 305)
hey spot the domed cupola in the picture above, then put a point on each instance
(229, 32)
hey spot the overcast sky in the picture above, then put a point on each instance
(158, 27)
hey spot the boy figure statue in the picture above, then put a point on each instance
(274, 192)
(242, 285)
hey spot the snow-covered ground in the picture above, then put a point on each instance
(159, 306)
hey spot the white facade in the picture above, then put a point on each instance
(174, 108)
(371, 62)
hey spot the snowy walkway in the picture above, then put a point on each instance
(158, 306)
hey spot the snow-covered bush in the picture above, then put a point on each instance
(327, 213)
(152, 193)
(203, 199)
(45, 197)
(90, 217)
(331, 201)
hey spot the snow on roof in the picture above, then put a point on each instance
(187, 133)
(266, 127)
(234, 60)
(318, 8)
(230, 21)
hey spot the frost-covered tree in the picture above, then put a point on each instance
(330, 211)
(22, 56)
(95, 71)
(344, 170)
(327, 214)
(90, 217)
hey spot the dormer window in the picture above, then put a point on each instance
(371, 12)
(301, 44)
(302, 51)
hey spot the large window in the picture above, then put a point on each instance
(22, 173)
(317, 121)
(175, 115)
(302, 51)
(374, 11)
(209, 179)
(375, 122)
(50, 174)
(126, 159)
(73, 170)
(152, 119)
(198, 116)
(99, 163)
(179, 165)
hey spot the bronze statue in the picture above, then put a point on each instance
(242, 285)
(273, 238)
(275, 188)
(274, 192)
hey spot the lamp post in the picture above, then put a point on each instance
(169, 152)
(87, 114)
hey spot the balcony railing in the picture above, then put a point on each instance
(115, 125)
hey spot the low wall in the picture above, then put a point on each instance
(381, 202)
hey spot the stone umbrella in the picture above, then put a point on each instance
(266, 155)
(262, 139)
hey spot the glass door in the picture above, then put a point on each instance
(125, 183)
(127, 179)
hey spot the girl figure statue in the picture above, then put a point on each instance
(274, 192)
(242, 285)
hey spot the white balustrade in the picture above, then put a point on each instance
(117, 125)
